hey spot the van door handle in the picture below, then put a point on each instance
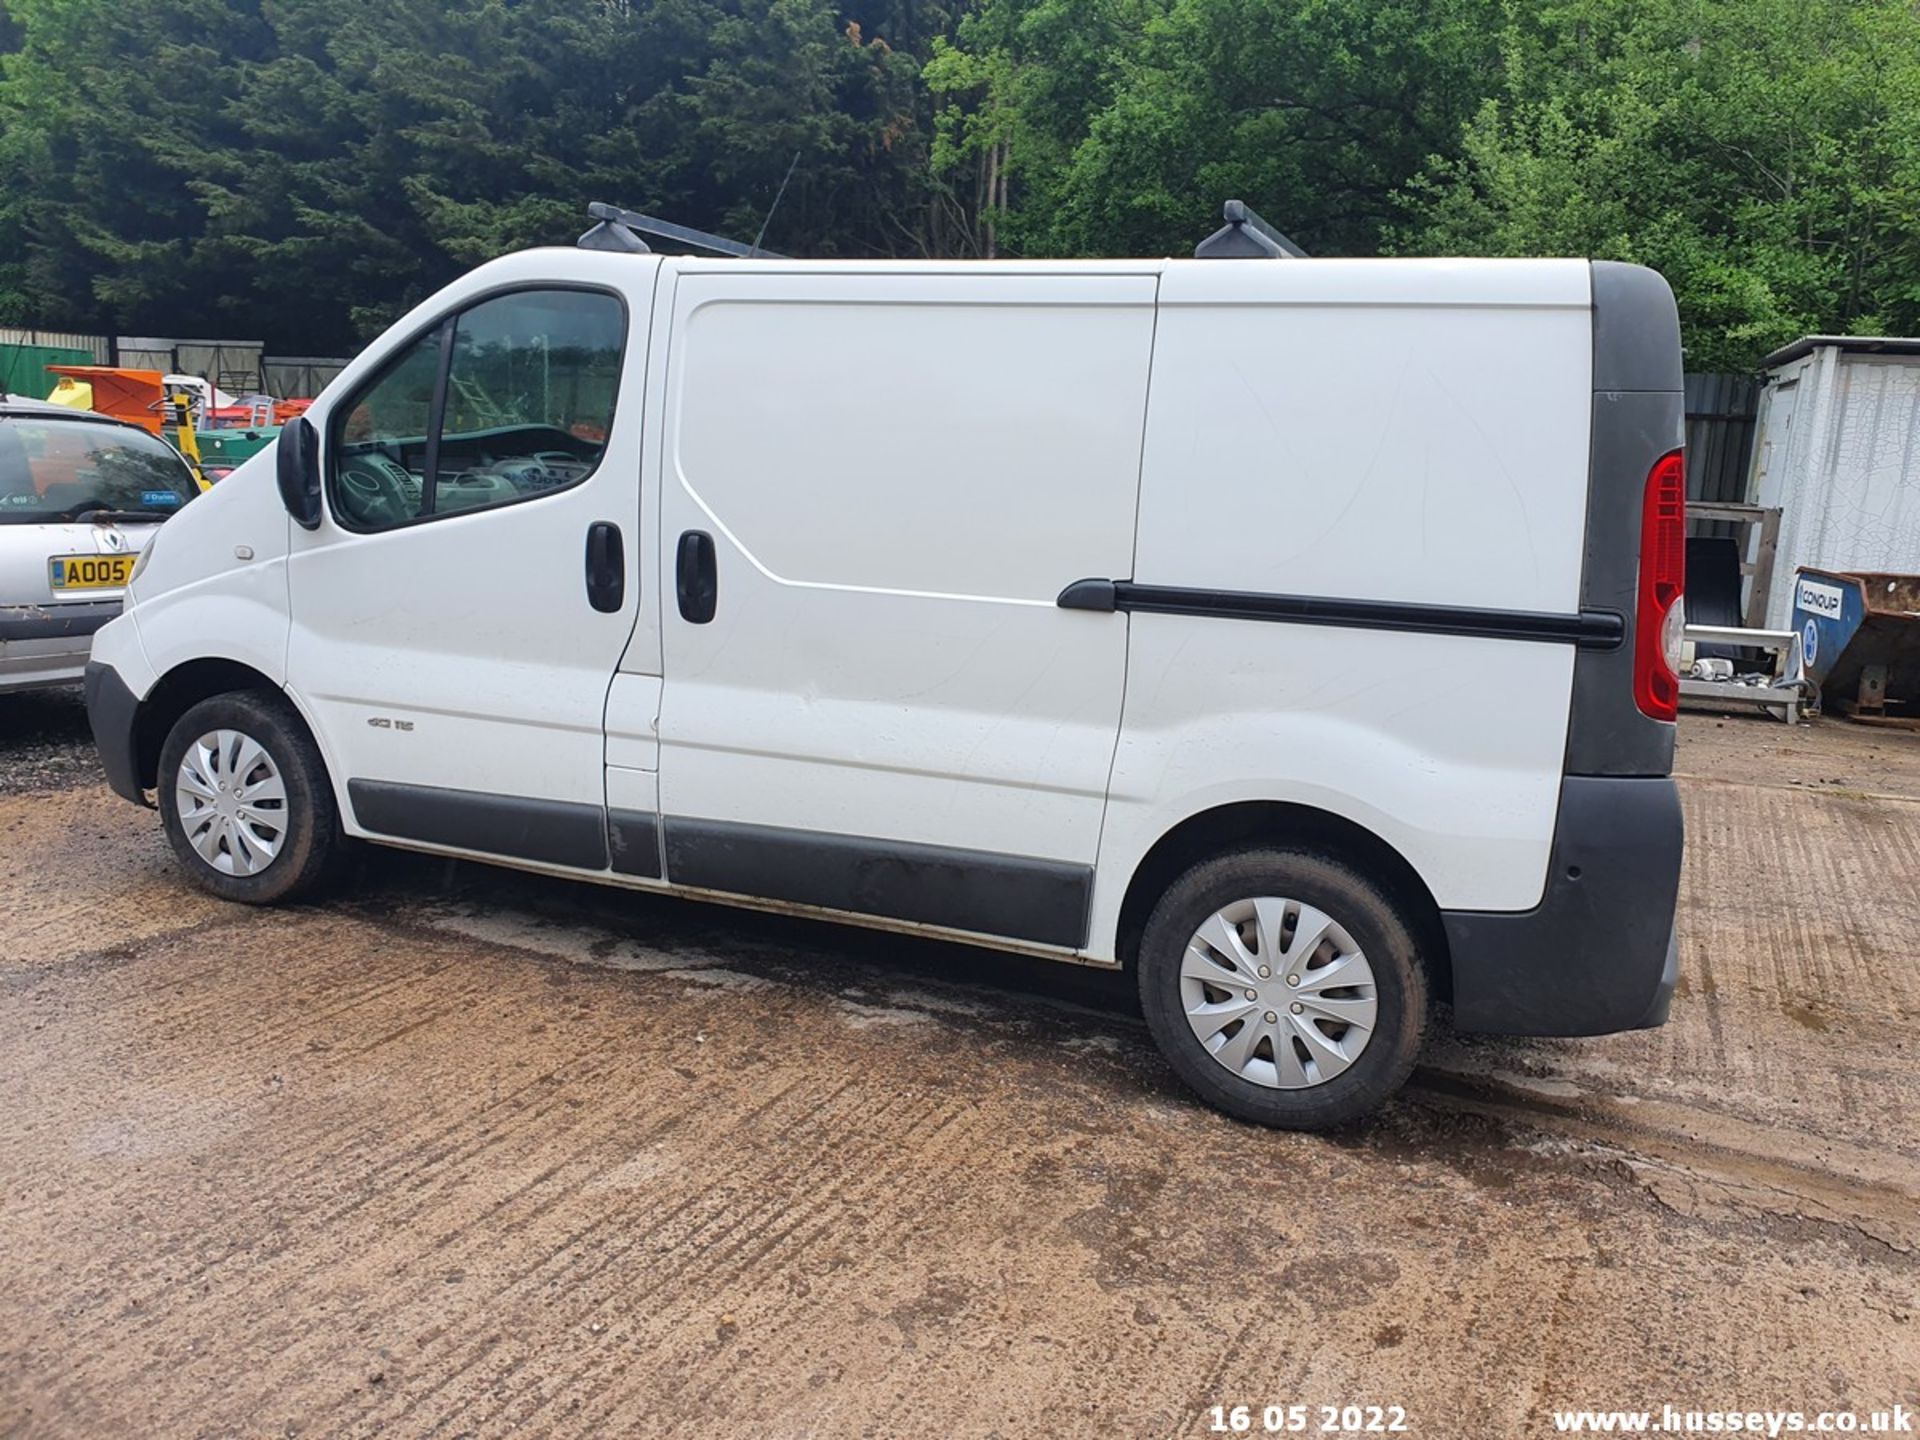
(606, 567)
(695, 579)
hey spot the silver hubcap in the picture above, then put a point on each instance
(1278, 993)
(233, 802)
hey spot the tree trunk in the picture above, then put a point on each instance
(992, 200)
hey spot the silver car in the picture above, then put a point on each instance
(80, 496)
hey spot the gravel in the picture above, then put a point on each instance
(45, 743)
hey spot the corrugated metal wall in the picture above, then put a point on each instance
(233, 365)
(144, 354)
(1850, 482)
(298, 377)
(1720, 416)
(96, 345)
(1720, 426)
(23, 368)
(237, 366)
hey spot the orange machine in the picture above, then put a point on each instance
(133, 395)
(137, 396)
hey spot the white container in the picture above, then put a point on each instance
(1838, 451)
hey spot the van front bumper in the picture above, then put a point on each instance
(112, 711)
(1598, 953)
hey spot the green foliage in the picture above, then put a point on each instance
(305, 170)
(1131, 120)
(1762, 154)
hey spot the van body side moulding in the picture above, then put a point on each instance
(553, 832)
(1042, 901)
(1590, 629)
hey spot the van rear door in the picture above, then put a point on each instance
(875, 488)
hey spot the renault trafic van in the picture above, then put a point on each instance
(1298, 634)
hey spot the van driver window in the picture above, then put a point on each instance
(380, 442)
(528, 405)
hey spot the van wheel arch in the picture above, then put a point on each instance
(177, 692)
(1270, 822)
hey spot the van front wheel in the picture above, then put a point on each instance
(1284, 988)
(246, 802)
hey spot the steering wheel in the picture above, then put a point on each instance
(372, 493)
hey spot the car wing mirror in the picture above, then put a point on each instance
(297, 458)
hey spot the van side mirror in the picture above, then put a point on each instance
(297, 458)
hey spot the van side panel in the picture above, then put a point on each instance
(1411, 432)
(197, 597)
(1598, 953)
(899, 472)
(1639, 415)
(1313, 434)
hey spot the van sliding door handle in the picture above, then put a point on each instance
(606, 567)
(695, 578)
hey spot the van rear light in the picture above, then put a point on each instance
(1659, 618)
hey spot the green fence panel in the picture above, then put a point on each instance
(23, 368)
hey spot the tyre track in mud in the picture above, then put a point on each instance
(465, 1152)
(1697, 1162)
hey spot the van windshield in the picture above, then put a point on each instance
(62, 469)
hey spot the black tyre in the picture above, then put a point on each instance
(1284, 987)
(246, 802)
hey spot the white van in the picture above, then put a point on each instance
(1297, 633)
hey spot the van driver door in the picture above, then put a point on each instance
(460, 611)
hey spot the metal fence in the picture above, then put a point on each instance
(233, 365)
(236, 366)
(23, 368)
(1721, 411)
(99, 346)
(291, 377)
(1720, 420)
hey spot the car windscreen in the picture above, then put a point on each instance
(62, 469)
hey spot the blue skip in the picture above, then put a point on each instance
(1860, 640)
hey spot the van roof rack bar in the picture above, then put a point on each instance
(621, 230)
(1246, 236)
(612, 236)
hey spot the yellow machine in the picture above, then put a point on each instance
(72, 393)
(140, 396)
(179, 404)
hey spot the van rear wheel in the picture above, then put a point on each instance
(246, 802)
(1284, 988)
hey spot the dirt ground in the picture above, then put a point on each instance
(469, 1153)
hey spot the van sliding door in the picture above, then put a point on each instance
(875, 488)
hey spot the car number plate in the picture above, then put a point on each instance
(90, 572)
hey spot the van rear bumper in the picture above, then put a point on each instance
(1597, 954)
